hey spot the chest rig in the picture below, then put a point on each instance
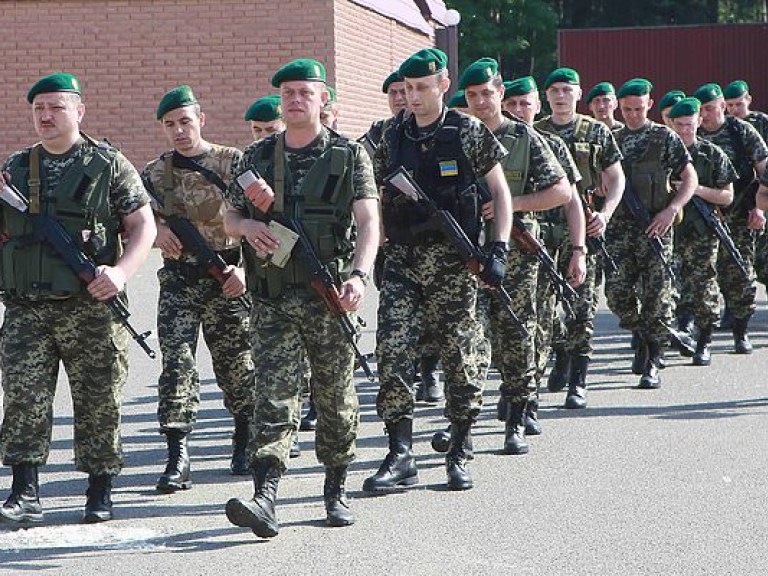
(649, 177)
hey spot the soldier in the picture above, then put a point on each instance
(323, 181)
(652, 154)
(602, 103)
(329, 115)
(748, 153)
(665, 105)
(458, 102)
(394, 88)
(599, 161)
(50, 315)
(536, 183)
(695, 242)
(189, 182)
(425, 281)
(265, 116)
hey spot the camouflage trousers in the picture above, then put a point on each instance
(649, 310)
(761, 258)
(427, 286)
(738, 292)
(185, 306)
(512, 354)
(283, 330)
(82, 334)
(699, 296)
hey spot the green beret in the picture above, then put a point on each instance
(300, 69)
(331, 94)
(567, 75)
(458, 100)
(424, 63)
(58, 82)
(685, 107)
(520, 87)
(176, 98)
(479, 72)
(670, 99)
(600, 89)
(708, 92)
(635, 87)
(265, 109)
(391, 79)
(735, 89)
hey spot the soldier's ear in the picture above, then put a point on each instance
(650, 103)
(202, 119)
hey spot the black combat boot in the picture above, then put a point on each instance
(514, 435)
(741, 344)
(703, 356)
(456, 458)
(558, 376)
(176, 475)
(726, 320)
(502, 409)
(532, 425)
(239, 464)
(258, 513)
(335, 495)
(685, 322)
(429, 389)
(98, 505)
(23, 505)
(651, 378)
(441, 442)
(309, 422)
(295, 450)
(683, 343)
(577, 383)
(399, 465)
(641, 355)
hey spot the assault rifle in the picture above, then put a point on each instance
(596, 244)
(324, 284)
(53, 233)
(711, 216)
(641, 215)
(444, 221)
(192, 241)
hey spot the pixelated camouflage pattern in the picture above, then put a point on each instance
(598, 134)
(281, 330)
(761, 258)
(194, 196)
(633, 144)
(92, 346)
(738, 293)
(759, 121)
(754, 146)
(562, 155)
(185, 306)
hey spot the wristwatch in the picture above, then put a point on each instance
(360, 274)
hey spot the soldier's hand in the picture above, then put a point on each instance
(597, 225)
(234, 286)
(661, 223)
(487, 210)
(756, 220)
(351, 294)
(108, 282)
(260, 195)
(495, 265)
(259, 236)
(577, 269)
(169, 244)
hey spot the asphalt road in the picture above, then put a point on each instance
(671, 481)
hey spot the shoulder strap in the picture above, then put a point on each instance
(186, 163)
(33, 181)
(279, 189)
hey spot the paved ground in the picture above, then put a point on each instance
(642, 482)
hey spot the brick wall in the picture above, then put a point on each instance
(127, 53)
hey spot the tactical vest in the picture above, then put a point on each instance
(745, 187)
(586, 155)
(171, 201)
(517, 141)
(705, 169)
(649, 178)
(80, 202)
(440, 167)
(323, 206)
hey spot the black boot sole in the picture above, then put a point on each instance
(248, 514)
(96, 517)
(21, 521)
(400, 484)
(171, 487)
(515, 451)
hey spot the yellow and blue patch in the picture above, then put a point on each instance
(449, 168)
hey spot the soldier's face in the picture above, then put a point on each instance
(396, 97)
(182, 128)
(603, 107)
(686, 127)
(329, 116)
(634, 109)
(713, 114)
(563, 97)
(665, 117)
(739, 107)
(261, 130)
(302, 102)
(484, 100)
(425, 95)
(57, 115)
(524, 107)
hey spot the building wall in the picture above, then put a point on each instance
(127, 53)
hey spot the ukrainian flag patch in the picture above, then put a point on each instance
(449, 168)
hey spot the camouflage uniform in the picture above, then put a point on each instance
(739, 294)
(426, 284)
(651, 312)
(759, 120)
(190, 298)
(697, 243)
(514, 355)
(40, 330)
(284, 325)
